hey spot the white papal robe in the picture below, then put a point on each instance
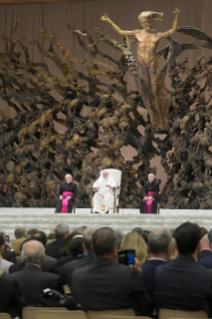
(104, 195)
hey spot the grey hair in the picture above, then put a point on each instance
(87, 239)
(20, 232)
(32, 257)
(60, 230)
(159, 240)
(151, 174)
(67, 175)
(120, 235)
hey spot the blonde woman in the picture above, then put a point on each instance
(135, 241)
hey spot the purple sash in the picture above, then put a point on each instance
(149, 202)
(64, 209)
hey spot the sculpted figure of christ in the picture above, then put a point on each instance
(154, 95)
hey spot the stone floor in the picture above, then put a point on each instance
(44, 218)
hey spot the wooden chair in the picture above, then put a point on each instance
(121, 313)
(172, 314)
(29, 312)
(5, 316)
(115, 174)
(78, 314)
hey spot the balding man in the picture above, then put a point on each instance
(205, 248)
(106, 284)
(159, 246)
(150, 199)
(31, 279)
(104, 192)
(67, 195)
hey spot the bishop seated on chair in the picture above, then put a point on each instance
(151, 196)
(103, 199)
(67, 195)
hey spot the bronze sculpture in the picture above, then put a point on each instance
(151, 87)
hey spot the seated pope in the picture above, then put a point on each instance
(67, 195)
(104, 193)
(151, 193)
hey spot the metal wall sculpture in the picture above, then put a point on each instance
(41, 156)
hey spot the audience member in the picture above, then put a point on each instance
(183, 283)
(203, 232)
(107, 285)
(138, 230)
(120, 236)
(145, 234)
(20, 235)
(49, 263)
(173, 252)
(4, 264)
(68, 269)
(205, 247)
(31, 279)
(11, 299)
(53, 248)
(207, 260)
(10, 253)
(52, 233)
(135, 241)
(64, 251)
(31, 232)
(159, 243)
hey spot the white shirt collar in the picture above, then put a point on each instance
(155, 258)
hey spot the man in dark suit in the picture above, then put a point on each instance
(205, 249)
(107, 285)
(183, 283)
(67, 271)
(31, 279)
(159, 244)
(49, 263)
(53, 248)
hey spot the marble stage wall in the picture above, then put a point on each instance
(44, 218)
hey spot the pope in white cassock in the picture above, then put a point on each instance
(104, 194)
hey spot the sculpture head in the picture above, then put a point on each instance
(146, 19)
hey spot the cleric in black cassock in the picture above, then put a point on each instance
(150, 200)
(67, 195)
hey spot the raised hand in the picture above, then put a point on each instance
(103, 17)
(176, 11)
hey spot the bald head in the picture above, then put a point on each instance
(205, 243)
(33, 252)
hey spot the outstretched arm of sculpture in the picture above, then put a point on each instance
(104, 17)
(174, 26)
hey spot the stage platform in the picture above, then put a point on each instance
(44, 218)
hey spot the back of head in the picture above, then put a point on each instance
(1, 240)
(76, 246)
(158, 241)
(120, 236)
(41, 237)
(210, 237)
(135, 241)
(60, 230)
(203, 231)
(104, 241)
(138, 230)
(20, 232)
(31, 232)
(87, 240)
(187, 237)
(33, 252)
